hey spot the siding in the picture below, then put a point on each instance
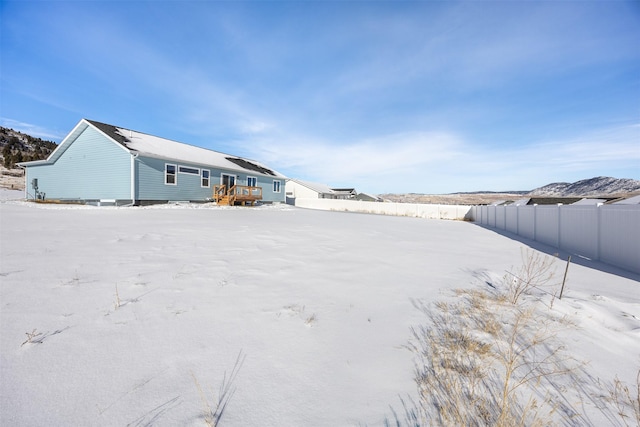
(92, 167)
(150, 182)
(300, 191)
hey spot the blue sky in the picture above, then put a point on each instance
(398, 96)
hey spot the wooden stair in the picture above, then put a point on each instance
(224, 201)
(238, 194)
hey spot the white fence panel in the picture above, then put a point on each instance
(491, 216)
(527, 221)
(620, 236)
(501, 220)
(397, 209)
(511, 219)
(579, 230)
(546, 224)
(608, 233)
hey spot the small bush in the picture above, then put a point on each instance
(536, 271)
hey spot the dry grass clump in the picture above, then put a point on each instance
(213, 412)
(482, 362)
(626, 401)
(489, 357)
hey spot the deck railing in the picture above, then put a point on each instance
(236, 194)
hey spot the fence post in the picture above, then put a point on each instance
(559, 226)
(535, 219)
(598, 230)
(566, 270)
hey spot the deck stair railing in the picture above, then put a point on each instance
(236, 195)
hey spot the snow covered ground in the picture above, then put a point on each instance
(132, 304)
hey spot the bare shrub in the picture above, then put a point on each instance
(484, 362)
(536, 272)
(214, 412)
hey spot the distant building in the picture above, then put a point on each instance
(344, 193)
(296, 188)
(368, 197)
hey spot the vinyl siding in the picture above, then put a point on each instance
(92, 167)
(150, 182)
(151, 186)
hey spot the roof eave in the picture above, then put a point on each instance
(188, 162)
(33, 163)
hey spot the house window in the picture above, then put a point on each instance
(204, 175)
(170, 174)
(252, 181)
(190, 171)
(276, 186)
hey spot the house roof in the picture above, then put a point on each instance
(368, 196)
(345, 190)
(318, 188)
(634, 200)
(589, 202)
(153, 146)
(553, 200)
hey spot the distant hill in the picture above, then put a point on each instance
(599, 186)
(19, 147)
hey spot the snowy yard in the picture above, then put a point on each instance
(126, 306)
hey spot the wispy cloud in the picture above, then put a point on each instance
(31, 129)
(409, 96)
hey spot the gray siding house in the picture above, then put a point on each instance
(105, 164)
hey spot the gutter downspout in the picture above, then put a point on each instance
(26, 189)
(133, 178)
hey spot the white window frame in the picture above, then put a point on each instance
(174, 174)
(196, 171)
(202, 178)
(255, 179)
(277, 186)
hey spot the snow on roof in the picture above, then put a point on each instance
(635, 200)
(154, 146)
(589, 202)
(521, 202)
(318, 188)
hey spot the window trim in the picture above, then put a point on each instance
(253, 178)
(202, 178)
(223, 174)
(279, 186)
(167, 174)
(196, 171)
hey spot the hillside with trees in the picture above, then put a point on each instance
(19, 147)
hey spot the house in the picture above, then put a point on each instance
(344, 193)
(296, 188)
(105, 164)
(366, 197)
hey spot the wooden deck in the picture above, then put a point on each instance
(237, 195)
